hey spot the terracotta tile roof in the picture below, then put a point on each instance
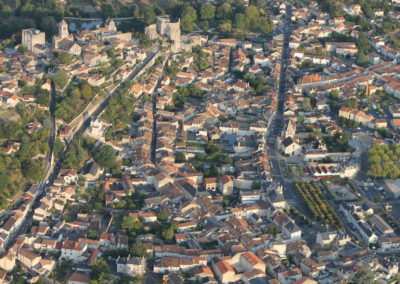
(224, 267)
(315, 78)
(79, 277)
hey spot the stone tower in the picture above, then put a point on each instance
(110, 25)
(63, 29)
(31, 37)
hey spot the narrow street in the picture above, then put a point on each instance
(154, 101)
(53, 131)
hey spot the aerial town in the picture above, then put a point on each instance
(200, 141)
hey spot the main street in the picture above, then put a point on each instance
(278, 122)
(289, 192)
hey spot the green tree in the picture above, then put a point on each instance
(301, 119)
(307, 105)
(100, 271)
(43, 97)
(362, 58)
(207, 12)
(273, 230)
(189, 16)
(105, 157)
(180, 157)
(138, 249)
(98, 206)
(157, 9)
(61, 79)
(6, 11)
(145, 42)
(130, 223)
(364, 276)
(22, 48)
(70, 160)
(64, 58)
(162, 216)
(224, 11)
(176, 8)
(265, 24)
(352, 103)
(86, 91)
(58, 147)
(168, 234)
(251, 14)
(33, 170)
(107, 11)
(148, 15)
(135, 11)
(87, 208)
(49, 26)
(51, 4)
(225, 27)
(362, 43)
(92, 235)
(4, 180)
(240, 21)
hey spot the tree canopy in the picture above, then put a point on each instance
(105, 157)
(64, 58)
(139, 250)
(207, 12)
(189, 16)
(364, 276)
(100, 272)
(383, 161)
(61, 79)
(180, 157)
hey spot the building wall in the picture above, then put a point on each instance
(30, 38)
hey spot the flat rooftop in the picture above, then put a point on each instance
(393, 186)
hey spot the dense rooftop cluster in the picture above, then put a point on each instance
(202, 157)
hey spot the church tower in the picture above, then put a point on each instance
(110, 25)
(63, 29)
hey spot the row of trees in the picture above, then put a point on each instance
(227, 17)
(313, 197)
(383, 161)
